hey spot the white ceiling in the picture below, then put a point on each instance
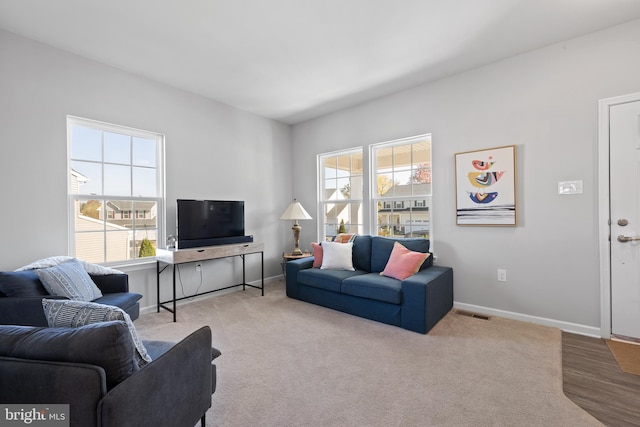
(292, 60)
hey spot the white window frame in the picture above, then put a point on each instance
(160, 198)
(322, 226)
(392, 201)
(370, 200)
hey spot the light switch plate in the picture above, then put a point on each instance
(569, 187)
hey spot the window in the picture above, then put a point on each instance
(116, 191)
(341, 193)
(401, 173)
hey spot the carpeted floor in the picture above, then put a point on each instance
(289, 363)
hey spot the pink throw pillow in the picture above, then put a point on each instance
(403, 263)
(317, 254)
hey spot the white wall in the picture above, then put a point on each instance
(545, 102)
(212, 151)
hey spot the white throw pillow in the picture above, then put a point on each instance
(337, 256)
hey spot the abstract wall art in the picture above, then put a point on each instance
(486, 187)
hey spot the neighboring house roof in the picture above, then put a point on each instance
(127, 205)
(407, 190)
(84, 221)
(77, 179)
(141, 223)
(126, 223)
(80, 177)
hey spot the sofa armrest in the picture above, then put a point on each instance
(426, 297)
(174, 389)
(81, 386)
(111, 283)
(24, 311)
(292, 268)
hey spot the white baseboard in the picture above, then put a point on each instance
(575, 328)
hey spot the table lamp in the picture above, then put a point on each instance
(294, 212)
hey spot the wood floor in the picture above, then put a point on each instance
(595, 382)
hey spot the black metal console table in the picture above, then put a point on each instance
(174, 257)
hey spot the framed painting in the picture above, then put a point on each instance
(486, 187)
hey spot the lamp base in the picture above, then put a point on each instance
(296, 239)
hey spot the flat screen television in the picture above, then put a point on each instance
(210, 222)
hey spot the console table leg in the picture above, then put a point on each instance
(174, 292)
(262, 272)
(158, 286)
(244, 278)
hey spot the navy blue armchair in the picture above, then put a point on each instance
(21, 294)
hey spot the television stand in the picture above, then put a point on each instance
(175, 257)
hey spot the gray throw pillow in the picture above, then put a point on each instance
(65, 313)
(70, 280)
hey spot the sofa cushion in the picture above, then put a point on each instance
(325, 279)
(21, 284)
(157, 348)
(381, 248)
(106, 344)
(63, 313)
(337, 256)
(69, 279)
(373, 286)
(403, 263)
(362, 253)
(124, 300)
(111, 283)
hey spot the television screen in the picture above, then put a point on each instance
(209, 222)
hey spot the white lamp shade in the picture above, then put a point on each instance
(295, 211)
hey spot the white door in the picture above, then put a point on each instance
(624, 181)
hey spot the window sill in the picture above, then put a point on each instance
(136, 265)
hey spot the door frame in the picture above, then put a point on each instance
(604, 207)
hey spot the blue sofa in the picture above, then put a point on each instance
(416, 303)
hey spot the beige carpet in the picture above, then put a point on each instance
(289, 363)
(627, 355)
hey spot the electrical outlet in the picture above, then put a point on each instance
(198, 268)
(502, 275)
